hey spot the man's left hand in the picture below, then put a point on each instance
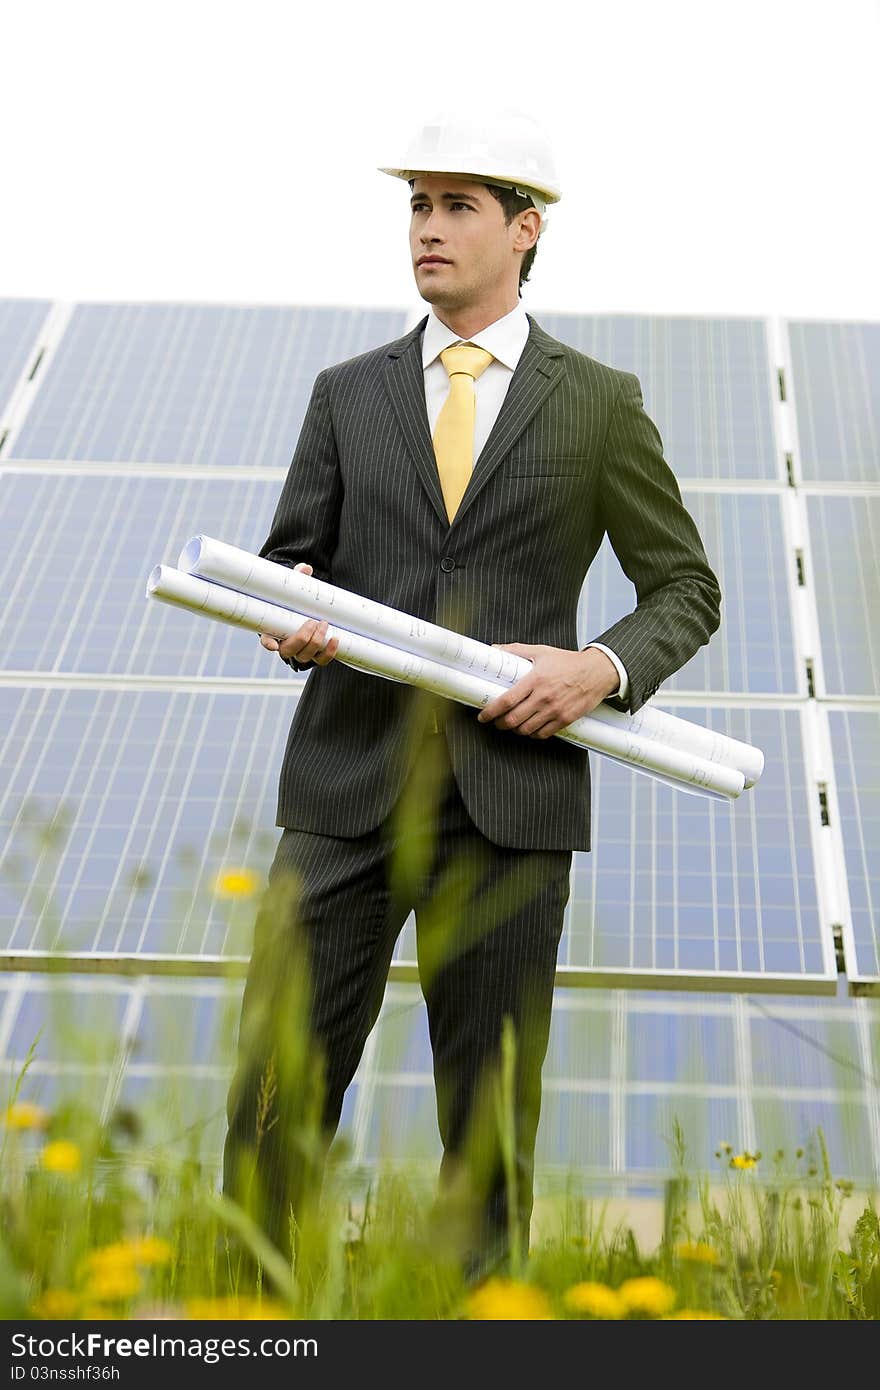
(561, 686)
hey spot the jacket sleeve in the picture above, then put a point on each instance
(305, 526)
(659, 549)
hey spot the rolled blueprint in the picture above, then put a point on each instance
(238, 569)
(676, 766)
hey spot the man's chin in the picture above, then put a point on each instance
(445, 296)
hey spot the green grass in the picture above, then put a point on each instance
(121, 1228)
(744, 1243)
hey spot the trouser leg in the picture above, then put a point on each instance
(323, 942)
(488, 934)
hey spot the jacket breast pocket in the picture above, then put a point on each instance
(534, 467)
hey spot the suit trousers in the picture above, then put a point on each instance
(488, 925)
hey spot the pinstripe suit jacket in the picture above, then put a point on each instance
(572, 455)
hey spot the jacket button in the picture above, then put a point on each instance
(447, 564)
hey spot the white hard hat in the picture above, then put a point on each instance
(507, 148)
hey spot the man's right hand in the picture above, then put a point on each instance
(308, 643)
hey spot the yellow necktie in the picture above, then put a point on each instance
(454, 431)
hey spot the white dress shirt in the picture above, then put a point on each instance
(505, 339)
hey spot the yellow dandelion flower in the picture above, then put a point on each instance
(119, 1255)
(697, 1252)
(646, 1295)
(236, 883)
(509, 1300)
(25, 1115)
(595, 1299)
(235, 1309)
(113, 1283)
(149, 1250)
(61, 1156)
(693, 1315)
(743, 1161)
(55, 1303)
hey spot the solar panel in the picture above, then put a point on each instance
(20, 323)
(846, 1128)
(80, 549)
(693, 1048)
(210, 385)
(845, 543)
(855, 741)
(66, 1022)
(620, 1069)
(753, 650)
(705, 384)
(836, 369)
(676, 885)
(164, 791)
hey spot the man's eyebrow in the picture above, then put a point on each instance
(449, 197)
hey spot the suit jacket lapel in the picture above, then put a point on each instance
(405, 380)
(538, 372)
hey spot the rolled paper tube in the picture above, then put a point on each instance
(374, 657)
(238, 569)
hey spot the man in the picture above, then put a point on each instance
(465, 473)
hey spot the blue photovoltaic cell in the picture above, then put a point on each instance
(574, 1131)
(844, 1120)
(845, 542)
(691, 1047)
(705, 1121)
(68, 1022)
(705, 384)
(753, 650)
(829, 1061)
(402, 1124)
(855, 741)
(212, 385)
(153, 794)
(20, 323)
(581, 1042)
(177, 1110)
(679, 882)
(837, 397)
(75, 573)
(186, 1026)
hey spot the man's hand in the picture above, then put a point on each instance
(308, 640)
(561, 686)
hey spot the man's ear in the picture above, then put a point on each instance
(528, 231)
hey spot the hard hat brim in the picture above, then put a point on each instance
(546, 191)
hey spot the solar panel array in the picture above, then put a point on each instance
(140, 746)
(154, 1059)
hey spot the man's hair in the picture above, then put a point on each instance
(512, 203)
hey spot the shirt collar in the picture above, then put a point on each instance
(505, 338)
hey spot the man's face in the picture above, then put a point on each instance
(462, 250)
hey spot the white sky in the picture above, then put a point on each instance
(713, 158)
